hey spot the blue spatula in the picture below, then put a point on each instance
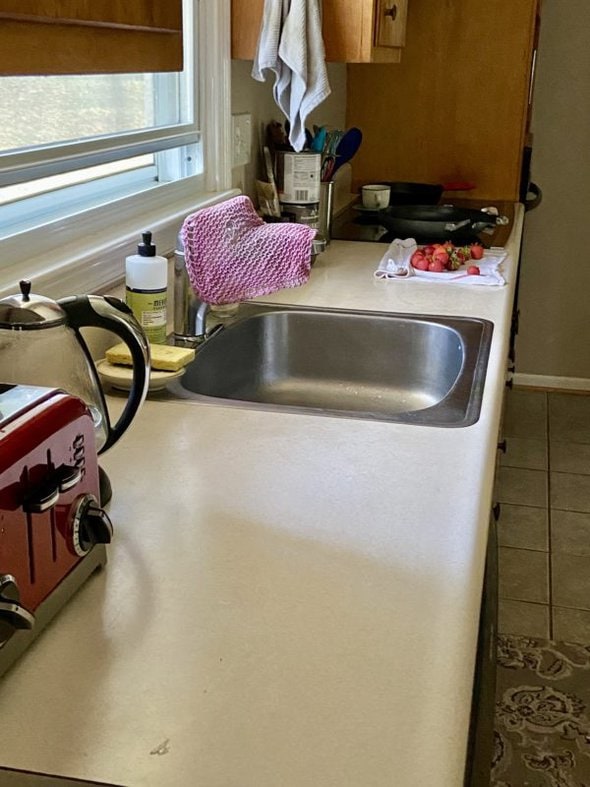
(347, 147)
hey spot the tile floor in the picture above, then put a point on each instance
(543, 487)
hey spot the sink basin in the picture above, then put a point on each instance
(415, 369)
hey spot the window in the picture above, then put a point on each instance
(82, 154)
(63, 131)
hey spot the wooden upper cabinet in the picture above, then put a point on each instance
(40, 37)
(355, 31)
(457, 107)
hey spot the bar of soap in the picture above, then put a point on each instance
(164, 357)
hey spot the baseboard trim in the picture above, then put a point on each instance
(550, 383)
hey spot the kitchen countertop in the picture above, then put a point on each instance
(289, 599)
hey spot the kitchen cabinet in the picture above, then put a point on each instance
(481, 728)
(457, 106)
(41, 37)
(355, 31)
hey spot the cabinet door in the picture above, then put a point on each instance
(246, 19)
(390, 23)
(350, 29)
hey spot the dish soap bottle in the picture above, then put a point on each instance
(146, 289)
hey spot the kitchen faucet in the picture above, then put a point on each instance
(190, 312)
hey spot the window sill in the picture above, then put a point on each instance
(88, 255)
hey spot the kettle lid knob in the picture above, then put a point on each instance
(25, 311)
(25, 288)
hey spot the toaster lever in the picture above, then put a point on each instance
(67, 476)
(46, 494)
(42, 497)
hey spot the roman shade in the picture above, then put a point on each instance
(41, 37)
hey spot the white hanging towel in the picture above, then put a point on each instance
(291, 46)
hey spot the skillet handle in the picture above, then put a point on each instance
(493, 213)
(536, 196)
(453, 226)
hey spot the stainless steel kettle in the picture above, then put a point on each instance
(41, 344)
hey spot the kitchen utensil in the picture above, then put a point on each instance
(459, 185)
(329, 154)
(41, 344)
(435, 220)
(327, 170)
(347, 146)
(332, 141)
(275, 135)
(410, 193)
(319, 139)
(326, 210)
(273, 203)
(53, 528)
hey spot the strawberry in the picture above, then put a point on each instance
(476, 250)
(441, 255)
(420, 263)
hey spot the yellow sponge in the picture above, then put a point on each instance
(164, 357)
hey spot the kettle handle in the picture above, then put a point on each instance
(112, 314)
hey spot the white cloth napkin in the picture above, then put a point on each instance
(291, 46)
(395, 264)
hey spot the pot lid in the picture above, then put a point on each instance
(27, 312)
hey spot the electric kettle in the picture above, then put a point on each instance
(41, 344)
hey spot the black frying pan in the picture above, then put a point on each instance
(406, 193)
(439, 220)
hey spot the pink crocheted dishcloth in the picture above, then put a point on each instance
(232, 254)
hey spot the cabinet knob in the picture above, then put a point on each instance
(392, 12)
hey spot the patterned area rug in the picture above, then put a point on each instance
(542, 730)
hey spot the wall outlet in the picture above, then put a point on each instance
(241, 138)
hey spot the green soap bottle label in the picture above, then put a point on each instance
(149, 309)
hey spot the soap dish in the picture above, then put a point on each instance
(121, 377)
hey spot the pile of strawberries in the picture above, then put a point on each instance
(441, 257)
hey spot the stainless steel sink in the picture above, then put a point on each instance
(405, 368)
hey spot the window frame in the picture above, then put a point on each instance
(85, 252)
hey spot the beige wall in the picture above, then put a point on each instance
(254, 97)
(555, 275)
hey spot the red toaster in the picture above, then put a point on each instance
(52, 527)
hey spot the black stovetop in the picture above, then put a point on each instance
(356, 225)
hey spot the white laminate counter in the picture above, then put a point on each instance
(290, 600)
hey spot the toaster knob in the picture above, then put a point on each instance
(13, 616)
(90, 525)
